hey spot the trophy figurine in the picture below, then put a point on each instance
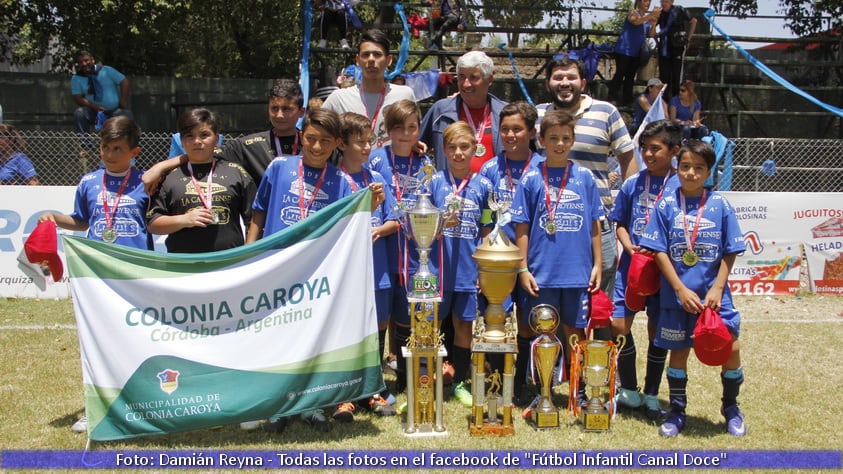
(595, 363)
(544, 319)
(424, 351)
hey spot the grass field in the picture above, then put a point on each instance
(789, 350)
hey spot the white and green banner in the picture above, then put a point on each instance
(185, 341)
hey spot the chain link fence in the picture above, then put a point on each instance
(758, 164)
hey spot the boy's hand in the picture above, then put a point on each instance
(47, 216)
(378, 194)
(594, 280)
(529, 283)
(713, 298)
(689, 300)
(420, 148)
(198, 217)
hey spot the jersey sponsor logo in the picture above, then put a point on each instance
(706, 252)
(565, 222)
(124, 227)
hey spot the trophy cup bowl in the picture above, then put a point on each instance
(597, 367)
(544, 319)
(425, 222)
(497, 267)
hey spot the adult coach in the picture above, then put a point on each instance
(600, 130)
(473, 104)
(374, 93)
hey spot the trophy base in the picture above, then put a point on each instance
(595, 421)
(425, 430)
(545, 420)
(491, 429)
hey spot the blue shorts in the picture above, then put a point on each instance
(383, 304)
(462, 304)
(572, 304)
(676, 326)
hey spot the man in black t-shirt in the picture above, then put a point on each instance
(676, 28)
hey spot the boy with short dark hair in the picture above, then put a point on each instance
(695, 235)
(660, 142)
(110, 202)
(355, 144)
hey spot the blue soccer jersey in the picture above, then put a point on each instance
(562, 256)
(459, 270)
(128, 220)
(383, 213)
(718, 234)
(402, 176)
(505, 175)
(291, 190)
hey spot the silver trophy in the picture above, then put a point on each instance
(425, 222)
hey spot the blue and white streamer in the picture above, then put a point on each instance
(502, 46)
(404, 52)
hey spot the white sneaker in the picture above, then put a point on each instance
(321, 44)
(344, 44)
(250, 425)
(81, 425)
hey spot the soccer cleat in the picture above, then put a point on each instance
(734, 420)
(380, 406)
(316, 418)
(250, 425)
(652, 407)
(673, 425)
(463, 394)
(276, 426)
(344, 412)
(447, 373)
(80, 426)
(629, 398)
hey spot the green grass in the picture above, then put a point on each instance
(790, 351)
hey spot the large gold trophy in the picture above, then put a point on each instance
(497, 260)
(595, 362)
(424, 390)
(544, 319)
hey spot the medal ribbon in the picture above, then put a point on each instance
(280, 151)
(399, 190)
(691, 238)
(351, 181)
(551, 213)
(207, 200)
(479, 128)
(109, 215)
(509, 171)
(659, 196)
(377, 108)
(303, 210)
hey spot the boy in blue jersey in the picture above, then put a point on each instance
(356, 144)
(660, 142)
(518, 129)
(465, 196)
(110, 202)
(557, 210)
(696, 237)
(400, 165)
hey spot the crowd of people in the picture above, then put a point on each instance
(552, 161)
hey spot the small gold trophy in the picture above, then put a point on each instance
(595, 363)
(497, 260)
(544, 319)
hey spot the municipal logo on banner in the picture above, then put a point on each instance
(169, 381)
(223, 337)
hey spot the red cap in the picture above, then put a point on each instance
(601, 310)
(712, 339)
(644, 276)
(634, 301)
(42, 248)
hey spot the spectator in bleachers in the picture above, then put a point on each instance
(627, 51)
(15, 166)
(334, 15)
(444, 17)
(686, 108)
(100, 92)
(676, 28)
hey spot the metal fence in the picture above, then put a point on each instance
(806, 165)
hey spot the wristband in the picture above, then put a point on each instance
(523, 270)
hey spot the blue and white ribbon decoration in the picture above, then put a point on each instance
(404, 51)
(502, 46)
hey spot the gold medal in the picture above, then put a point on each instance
(455, 205)
(109, 235)
(480, 150)
(550, 227)
(690, 258)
